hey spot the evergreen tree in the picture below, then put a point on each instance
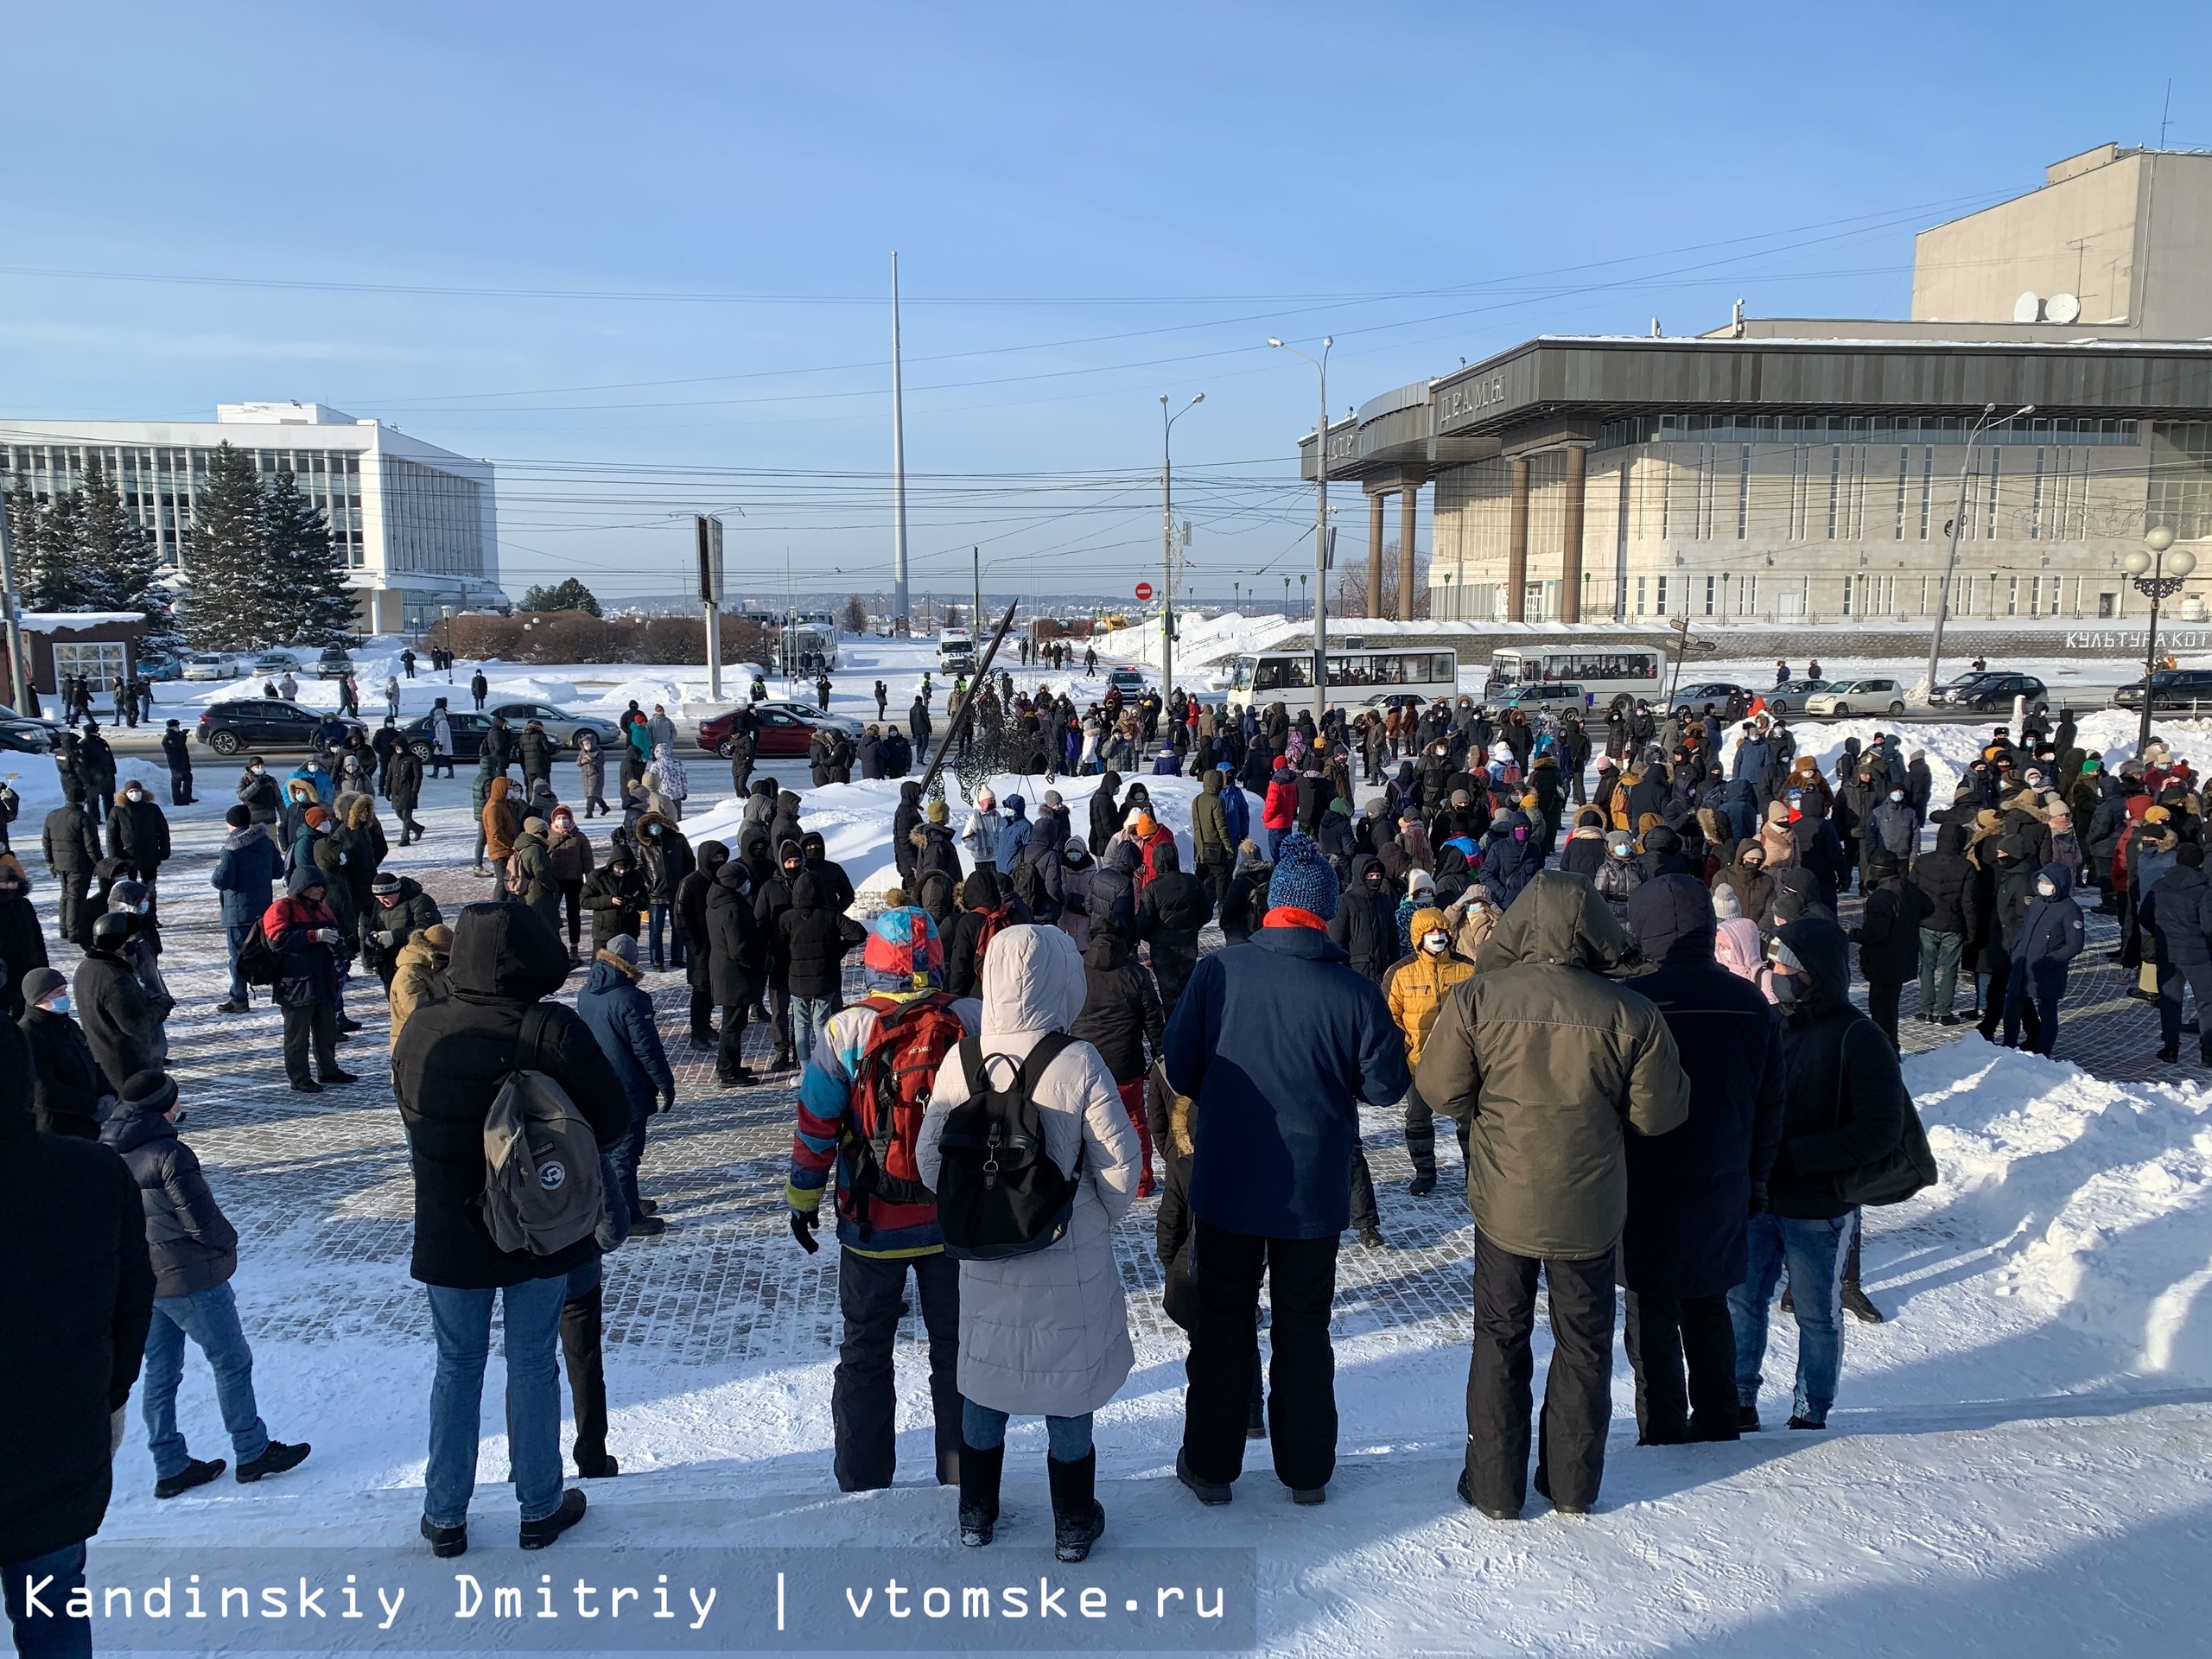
(228, 603)
(43, 537)
(117, 562)
(569, 595)
(314, 605)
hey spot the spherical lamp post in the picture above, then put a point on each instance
(2157, 570)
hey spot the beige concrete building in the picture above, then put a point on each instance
(1790, 469)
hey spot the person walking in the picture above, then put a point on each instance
(1686, 1243)
(591, 772)
(74, 1254)
(478, 688)
(620, 1017)
(1275, 1040)
(1043, 1333)
(1555, 1066)
(884, 1052)
(303, 932)
(404, 789)
(194, 1250)
(447, 1068)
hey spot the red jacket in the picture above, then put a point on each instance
(1281, 810)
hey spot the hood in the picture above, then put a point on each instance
(1737, 947)
(1427, 919)
(2061, 878)
(609, 973)
(506, 953)
(1075, 854)
(733, 874)
(1032, 981)
(1558, 918)
(806, 893)
(1672, 918)
(131, 1126)
(1108, 948)
(499, 790)
(1211, 783)
(910, 792)
(981, 890)
(713, 855)
(1951, 838)
(787, 805)
(305, 877)
(1124, 857)
(1016, 807)
(1825, 949)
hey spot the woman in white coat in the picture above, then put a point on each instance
(1043, 1334)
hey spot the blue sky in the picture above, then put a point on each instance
(1092, 206)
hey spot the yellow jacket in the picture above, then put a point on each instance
(1416, 988)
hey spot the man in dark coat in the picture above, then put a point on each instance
(69, 1095)
(1555, 1066)
(621, 1016)
(258, 793)
(82, 1292)
(399, 910)
(1112, 899)
(303, 932)
(666, 858)
(904, 820)
(138, 832)
(2050, 937)
(1888, 936)
(1123, 1019)
(1843, 1107)
(1105, 813)
(1275, 1041)
(1174, 906)
(739, 971)
(120, 1018)
(73, 852)
(2178, 914)
(176, 749)
(245, 874)
(691, 895)
(816, 934)
(1366, 920)
(447, 1068)
(1948, 879)
(1690, 1191)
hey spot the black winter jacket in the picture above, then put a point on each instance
(1122, 1016)
(191, 1242)
(2178, 912)
(66, 1082)
(448, 1063)
(691, 896)
(614, 897)
(1844, 1099)
(1948, 876)
(1889, 933)
(816, 938)
(739, 972)
(120, 1019)
(138, 834)
(1366, 923)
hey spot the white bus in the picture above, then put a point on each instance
(1604, 673)
(807, 644)
(1358, 679)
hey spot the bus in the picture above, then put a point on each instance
(1358, 679)
(807, 644)
(1605, 673)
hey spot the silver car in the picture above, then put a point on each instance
(559, 726)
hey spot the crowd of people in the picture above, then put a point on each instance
(1626, 987)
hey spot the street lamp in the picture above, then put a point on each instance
(446, 611)
(2157, 575)
(1301, 588)
(1320, 527)
(1168, 542)
(1958, 524)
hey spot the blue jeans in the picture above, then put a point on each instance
(626, 1160)
(810, 1014)
(210, 1318)
(234, 937)
(462, 1320)
(1816, 1252)
(658, 925)
(44, 1632)
(1274, 842)
(984, 1428)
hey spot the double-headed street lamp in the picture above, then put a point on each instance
(1321, 530)
(2157, 575)
(1167, 542)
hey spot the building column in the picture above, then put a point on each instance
(1406, 503)
(1570, 567)
(1374, 556)
(1517, 545)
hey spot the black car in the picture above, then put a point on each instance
(2173, 691)
(261, 723)
(1716, 692)
(1989, 693)
(469, 731)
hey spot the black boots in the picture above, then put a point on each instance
(979, 1492)
(1078, 1520)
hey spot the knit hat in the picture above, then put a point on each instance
(624, 946)
(1419, 881)
(939, 812)
(903, 952)
(40, 983)
(238, 816)
(438, 936)
(149, 1091)
(533, 825)
(1053, 797)
(384, 881)
(1142, 823)
(1302, 879)
(314, 816)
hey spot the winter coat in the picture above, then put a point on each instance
(1366, 922)
(1888, 933)
(1691, 1190)
(981, 837)
(2051, 933)
(620, 1017)
(530, 878)
(245, 874)
(2177, 913)
(1844, 1097)
(66, 1082)
(1751, 884)
(22, 945)
(1947, 878)
(307, 967)
(569, 855)
(258, 793)
(192, 1244)
(905, 820)
(501, 823)
(1121, 1015)
(1209, 833)
(615, 895)
(739, 972)
(138, 833)
(448, 1064)
(1171, 910)
(691, 896)
(80, 1295)
(1046, 1332)
(1893, 827)
(71, 844)
(1278, 1039)
(814, 940)
(1105, 813)
(1416, 987)
(535, 751)
(1553, 1065)
(665, 857)
(120, 1019)
(387, 930)
(1111, 899)
(418, 976)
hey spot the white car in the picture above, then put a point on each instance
(1857, 697)
(212, 665)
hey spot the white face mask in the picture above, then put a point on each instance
(2047, 887)
(1438, 943)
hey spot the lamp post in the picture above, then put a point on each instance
(1958, 524)
(1301, 588)
(1168, 542)
(2157, 575)
(1320, 527)
(446, 611)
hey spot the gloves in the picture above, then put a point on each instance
(668, 1101)
(803, 1224)
(386, 939)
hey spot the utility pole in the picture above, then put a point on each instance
(18, 681)
(1167, 542)
(975, 616)
(1320, 531)
(901, 622)
(711, 597)
(1958, 526)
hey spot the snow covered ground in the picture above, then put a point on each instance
(2016, 1466)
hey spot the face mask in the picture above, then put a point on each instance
(255, 771)
(1787, 987)
(60, 1004)
(135, 795)
(655, 830)
(2047, 887)
(1436, 943)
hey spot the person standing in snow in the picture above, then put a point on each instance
(2050, 937)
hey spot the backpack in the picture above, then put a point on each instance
(259, 962)
(894, 1076)
(993, 920)
(543, 1191)
(1896, 1174)
(999, 1193)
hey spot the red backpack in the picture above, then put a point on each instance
(999, 917)
(891, 1095)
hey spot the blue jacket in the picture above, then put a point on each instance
(1235, 807)
(325, 786)
(1754, 759)
(246, 875)
(1278, 1039)
(2051, 933)
(1013, 834)
(620, 1017)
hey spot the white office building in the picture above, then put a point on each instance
(418, 524)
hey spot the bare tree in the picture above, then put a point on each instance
(856, 614)
(1349, 598)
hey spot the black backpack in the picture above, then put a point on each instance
(999, 1193)
(258, 962)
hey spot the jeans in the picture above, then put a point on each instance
(462, 1320)
(45, 1632)
(1939, 971)
(1814, 1253)
(657, 922)
(210, 1318)
(984, 1427)
(810, 1018)
(1275, 842)
(235, 935)
(863, 1401)
(1578, 1388)
(2172, 981)
(1225, 1355)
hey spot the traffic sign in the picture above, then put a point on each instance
(1144, 590)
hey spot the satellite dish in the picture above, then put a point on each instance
(2061, 307)
(2028, 308)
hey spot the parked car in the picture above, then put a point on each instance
(558, 725)
(1791, 694)
(1988, 692)
(260, 723)
(469, 731)
(2173, 691)
(27, 734)
(212, 665)
(153, 665)
(335, 663)
(1129, 682)
(1717, 692)
(274, 664)
(787, 729)
(1857, 697)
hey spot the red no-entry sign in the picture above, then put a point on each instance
(1144, 590)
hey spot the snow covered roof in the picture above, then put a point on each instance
(57, 621)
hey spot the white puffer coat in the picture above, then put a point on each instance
(1046, 1334)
